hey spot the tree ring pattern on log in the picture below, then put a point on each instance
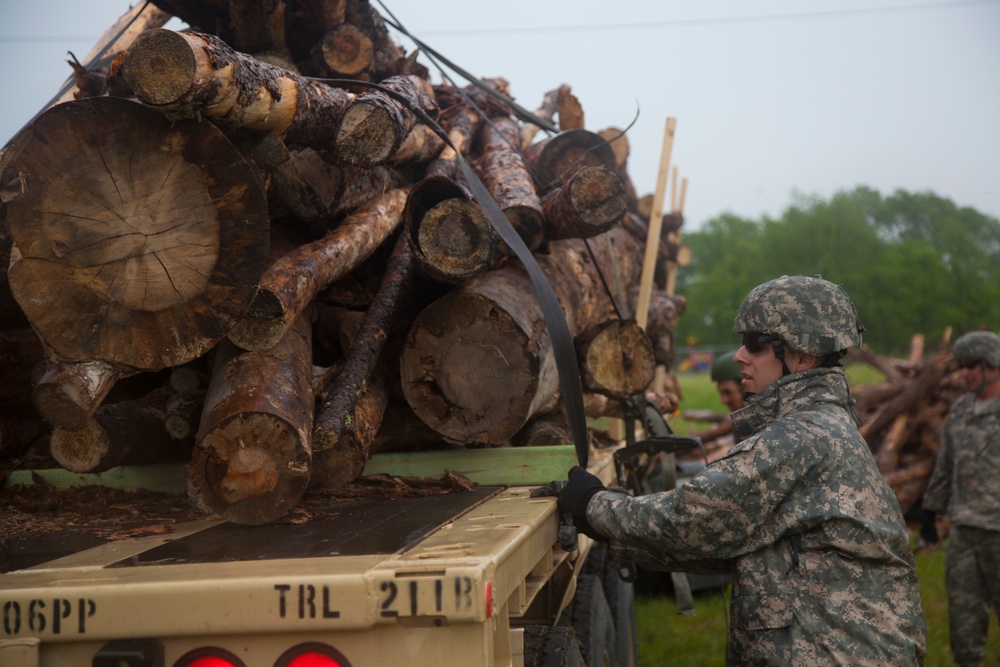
(142, 246)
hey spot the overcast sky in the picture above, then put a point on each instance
(773, 98)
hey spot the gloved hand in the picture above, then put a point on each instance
(550, 490)
(928, 528)
(576, 495)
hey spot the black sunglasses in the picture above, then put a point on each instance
(755, 341)
(968, 364)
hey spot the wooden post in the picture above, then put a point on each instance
(655, 224)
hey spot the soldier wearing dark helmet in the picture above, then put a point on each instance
(965, 485)
(797, 512)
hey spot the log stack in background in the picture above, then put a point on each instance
(288, 274)
(904, 414)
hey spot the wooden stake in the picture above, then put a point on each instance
(655, 225)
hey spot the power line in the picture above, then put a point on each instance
(722, 20)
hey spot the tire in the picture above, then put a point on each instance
(620, 595)
(590, 616)
(551, 647)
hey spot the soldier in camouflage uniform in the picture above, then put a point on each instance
(965, 486)
(797, 512)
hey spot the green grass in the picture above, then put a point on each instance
(667, 638)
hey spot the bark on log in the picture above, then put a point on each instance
(450, 236)
(126, 433)
(615, 358)
(251, 462)
(372, 127)
(508, 180)
(556, 159)
(546, 111)
(338, 400)
(183, 414)
(320, 193)
(140, 247)
(193, 74)
(478, 362)
(291, 283)
(462, 123)
(587, 205)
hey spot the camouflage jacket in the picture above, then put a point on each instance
(965, 484)
(814, 537)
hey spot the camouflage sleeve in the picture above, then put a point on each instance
(725, 511)
(938, 491)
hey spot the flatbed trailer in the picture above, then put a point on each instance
(466, 578)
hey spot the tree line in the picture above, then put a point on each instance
(912, 262)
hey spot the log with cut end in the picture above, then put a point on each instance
(555, 159)
(291, 283)
(587, 205)
(197, 74)
(126, 433)
(251, 462)
(615, 358)
(506, 176)
(478, 362)
(345, 51)
(373, 126)
(451, 238)
(69, 392)
(307, 21)
(140, 246)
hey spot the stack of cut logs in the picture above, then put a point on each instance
(231, 250)
(904, 414)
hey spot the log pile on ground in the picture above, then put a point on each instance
(218, 254)
(904, 414)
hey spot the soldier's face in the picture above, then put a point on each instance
(731, 394)
(760, 368)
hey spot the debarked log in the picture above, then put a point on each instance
(291, 283)
(252, 457)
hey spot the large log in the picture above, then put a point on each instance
(556, 159)
(140, 246)
(252, 457)
(190, 75)
(291, 283)
(478, 362)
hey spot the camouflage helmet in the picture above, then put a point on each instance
(726, 368)
(978, 345)
(812, 315)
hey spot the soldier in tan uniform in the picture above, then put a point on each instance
(965, 486)
(797, 512)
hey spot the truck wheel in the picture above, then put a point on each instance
(590, 616)
(620, 595)
(545, 646)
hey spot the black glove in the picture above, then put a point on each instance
(928, 528)
(550, 490)
(575, 497)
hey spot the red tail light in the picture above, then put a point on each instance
(312, 654)
(209, 657)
